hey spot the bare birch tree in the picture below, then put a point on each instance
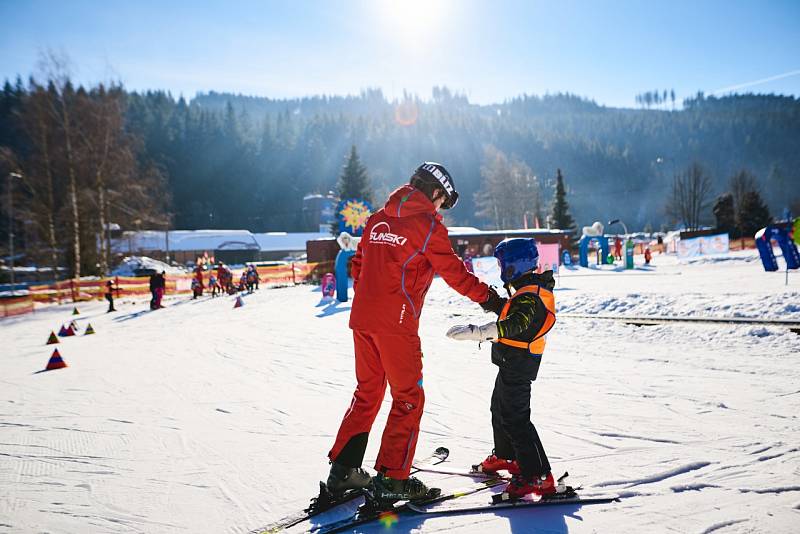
(510, 191)
(690, 197)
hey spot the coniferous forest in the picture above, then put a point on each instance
(231, 161)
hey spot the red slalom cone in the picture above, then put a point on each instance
(239, 302)
(69, 332)
(75, 311)
(63, 331)
(89, 330)
(55, 362)
(52, 339)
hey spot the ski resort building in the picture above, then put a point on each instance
(229, 246)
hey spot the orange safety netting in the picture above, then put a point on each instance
(125, 286)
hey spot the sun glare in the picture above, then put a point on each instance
(416, 23)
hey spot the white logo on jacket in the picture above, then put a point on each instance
(382, 234)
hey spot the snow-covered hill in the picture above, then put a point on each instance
(205, 418)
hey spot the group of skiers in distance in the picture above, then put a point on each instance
(220, 281)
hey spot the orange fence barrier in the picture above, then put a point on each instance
(126, 286)
(11, 306)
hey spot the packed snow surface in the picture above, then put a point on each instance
(205, 418)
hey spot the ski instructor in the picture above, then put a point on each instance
(403, 245)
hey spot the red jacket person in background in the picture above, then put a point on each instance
(403, 245)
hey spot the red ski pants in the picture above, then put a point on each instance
(382, 358)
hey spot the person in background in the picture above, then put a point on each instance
(647, 256)
(212, 285)
(198, 276)
(110, 296)
(617, 248)
(161, 287)
(153, 290)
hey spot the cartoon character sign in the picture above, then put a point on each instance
(352, 215)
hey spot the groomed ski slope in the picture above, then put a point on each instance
(205, 418)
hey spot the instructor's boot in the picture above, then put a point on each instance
(389, 489)
(343, 478)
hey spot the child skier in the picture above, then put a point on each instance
(517, 345)
(404, 244)
(213, 286)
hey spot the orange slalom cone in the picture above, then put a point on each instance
(89, 330)
(75, 311)
(239, 302)
(52, 339)
(56, 362)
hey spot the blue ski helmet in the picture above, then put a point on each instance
(516, 257)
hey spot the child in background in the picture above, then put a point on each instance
(213, 286)
(110, 296)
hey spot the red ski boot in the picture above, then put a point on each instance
(538, 484)
(492, 464)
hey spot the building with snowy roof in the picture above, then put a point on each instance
(185, 246)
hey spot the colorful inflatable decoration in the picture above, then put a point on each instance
(583, 257)
(592, 233)
(348, 245)
(764, 238)
(328, 285)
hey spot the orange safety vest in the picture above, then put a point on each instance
(536, 346)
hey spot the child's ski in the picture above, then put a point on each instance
(325, 501)
(367, 513)
(458, 507)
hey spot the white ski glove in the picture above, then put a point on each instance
(471, 332)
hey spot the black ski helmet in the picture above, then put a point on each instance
(435, 173)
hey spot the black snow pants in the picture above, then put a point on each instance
(515, 437)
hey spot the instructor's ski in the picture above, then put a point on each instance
(325, 501)
(366, 513)
(459, 472)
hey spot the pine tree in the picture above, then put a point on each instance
(753, 214)
(560, 213)
(725, 213)
(354, 182)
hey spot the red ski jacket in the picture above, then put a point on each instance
(402, 246)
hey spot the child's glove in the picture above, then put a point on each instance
(493, 303)
(471, 332)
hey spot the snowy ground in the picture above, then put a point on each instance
(205, 418)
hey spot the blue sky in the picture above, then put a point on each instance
(490, 50)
